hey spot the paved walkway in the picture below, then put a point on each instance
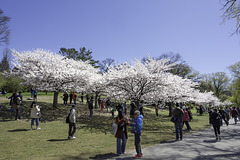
(197, 146)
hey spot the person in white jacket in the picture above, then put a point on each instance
(35, 115)
(72, 123)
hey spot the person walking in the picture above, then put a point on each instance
(65, 98)
(121, 134)
(35, 115)
(224, 115)
(186, 119)
(216, 121)
(137, 130)
(178, 114)
(72, 123)
(235, 114)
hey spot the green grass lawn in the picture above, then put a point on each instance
(93, 139)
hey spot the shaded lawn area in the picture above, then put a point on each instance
(93, 139)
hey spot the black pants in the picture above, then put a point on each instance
(72, 129)
(137, 143)
(216, 130)
(187, 124)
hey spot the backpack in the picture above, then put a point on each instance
(16, 100)
(114, 129)
(67, 119)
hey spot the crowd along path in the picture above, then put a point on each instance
(197, 146)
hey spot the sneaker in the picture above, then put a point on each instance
(73, 137)
(141, 154)
(137, 156)
(219, 138)
(38, 128)
(69, 137)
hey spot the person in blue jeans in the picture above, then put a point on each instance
(178, 113)
(121, 134)
(35, 115)
(137, 130)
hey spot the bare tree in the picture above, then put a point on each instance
(5, 64)
(103, 65)
(231, 10)
(4, 30)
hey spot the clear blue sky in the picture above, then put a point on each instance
(127, 29)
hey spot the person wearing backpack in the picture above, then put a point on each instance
(216, 121)
(72, 123)
(35, 115)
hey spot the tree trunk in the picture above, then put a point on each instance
(170, 105)
(96, 100)
(55, 99)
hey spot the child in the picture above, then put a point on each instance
(35, 114)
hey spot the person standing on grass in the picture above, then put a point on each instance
(178, 113)
(35, 92)
(186, 119)
(65, 98)
(74, 98)
(121, 133)
(216, 121)
(235, 114)
(137, 130)
(35, 115)
(16, 104)
(102, 104)
(108, 103)
(72, 123)
(90, 107)
(70, 97)
(82, 97)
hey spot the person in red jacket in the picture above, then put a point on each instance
(186, 119)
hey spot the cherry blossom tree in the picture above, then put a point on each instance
(53, 72)
(134, 81)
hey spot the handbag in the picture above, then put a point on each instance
(114, 129)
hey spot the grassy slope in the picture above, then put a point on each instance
(93, 137)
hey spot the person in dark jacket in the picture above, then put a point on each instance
(90, 107)
(65, 98)
(121, 134)
(216, 121)
(235, 114)
(71, 97)
(178, 113)
(223, 114)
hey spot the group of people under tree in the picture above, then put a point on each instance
(182, 115)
